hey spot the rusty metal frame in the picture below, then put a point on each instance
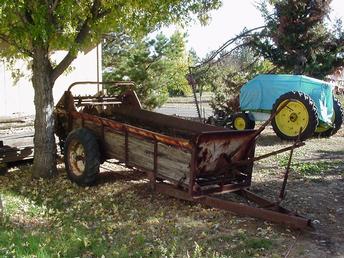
(266, 210)
(128, 84)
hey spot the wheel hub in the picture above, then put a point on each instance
(293, 117)
(239, 123)
(77, 158)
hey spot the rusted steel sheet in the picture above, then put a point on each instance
(214, 149)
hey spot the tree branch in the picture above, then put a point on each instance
(14, 44)
(226, 44)
(53, 6)
(79, 40)
(153, 61)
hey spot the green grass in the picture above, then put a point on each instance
(56, 218)
(309, 168)
(243, 245)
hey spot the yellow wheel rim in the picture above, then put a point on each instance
(292, 117)
(239, 123)
(321, 129)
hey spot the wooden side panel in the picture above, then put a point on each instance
(114, 145)
(141, 153)
(174, 163)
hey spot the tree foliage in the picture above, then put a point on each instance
(35, 29)
(157, 66)
(225, 70)
(297, 37)
(225, 75)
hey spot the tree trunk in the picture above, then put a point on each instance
(44, 164)
(1, 210)
(300, 63)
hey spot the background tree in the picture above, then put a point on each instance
(157, 66)
(228, 73)
(35, 29)
(298, 39)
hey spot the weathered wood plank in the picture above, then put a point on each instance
(141, 153)
(173, 163)
(20, 142)
(16, 136)
(114, 145)
(18, 146)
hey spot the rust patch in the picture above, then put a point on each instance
(214, 150)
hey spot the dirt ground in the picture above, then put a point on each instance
(317, 194)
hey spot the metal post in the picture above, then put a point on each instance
(98, 86)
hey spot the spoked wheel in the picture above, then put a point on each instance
(242, 121)
(82, 156)
(337, 120)
(299, 113)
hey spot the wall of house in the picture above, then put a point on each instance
(16, 97)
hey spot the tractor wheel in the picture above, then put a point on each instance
(82, 156)
(337, 120)
(242, 121)
(299, 113)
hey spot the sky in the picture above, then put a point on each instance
(230, 20)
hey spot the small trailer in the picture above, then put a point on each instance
(15, 146)
(184, 159)
(315, 108)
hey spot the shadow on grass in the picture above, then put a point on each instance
(330, 155)
(121, 216)
(269, 140)
(108, 176)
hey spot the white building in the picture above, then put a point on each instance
(16, 97)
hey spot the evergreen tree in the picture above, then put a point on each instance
(297, 38)
(157, 66)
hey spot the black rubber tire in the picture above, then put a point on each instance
(91, 158)
(311, 112)
(3, 169)
(338, 120)
(249, 124)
